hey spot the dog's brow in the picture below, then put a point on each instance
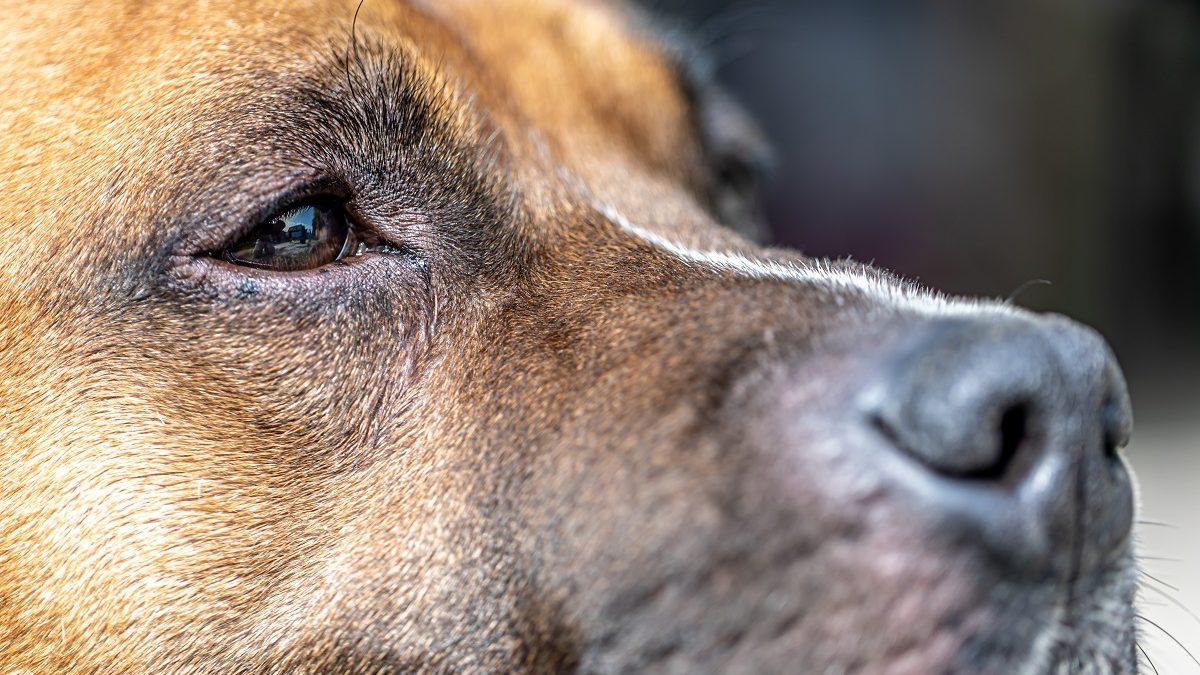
(370, 117)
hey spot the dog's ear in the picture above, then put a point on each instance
(738, 156)
(740, 160)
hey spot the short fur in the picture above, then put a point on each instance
(541, 436)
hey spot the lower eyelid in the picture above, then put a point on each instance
(215, 279)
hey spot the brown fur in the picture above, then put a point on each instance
(520, 447)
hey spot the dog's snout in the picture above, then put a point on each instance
(1015, 425)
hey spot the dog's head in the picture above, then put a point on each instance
(426, 342)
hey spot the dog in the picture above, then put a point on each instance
(424, 336)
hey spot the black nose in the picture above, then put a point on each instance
(1016, 422)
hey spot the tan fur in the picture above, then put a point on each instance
(444, 473)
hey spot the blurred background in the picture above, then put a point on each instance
(1044, 148)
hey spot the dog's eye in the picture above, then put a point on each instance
(301, 238)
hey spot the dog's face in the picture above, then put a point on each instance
(428, 345)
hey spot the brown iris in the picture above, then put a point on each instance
(303, 238)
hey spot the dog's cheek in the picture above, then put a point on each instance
(191, 452)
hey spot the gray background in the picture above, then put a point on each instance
(980, 145)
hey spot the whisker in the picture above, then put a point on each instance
(1158, 581)
(719, 24)
(1147, 657)
(747, 24)
(1173, 639)
(1161, 559)
(1012, 297)
(352, 48)
(1156, 523)
(1175, 602)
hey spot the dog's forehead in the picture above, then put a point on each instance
(589, 73)
(594, 87)
(579, 88)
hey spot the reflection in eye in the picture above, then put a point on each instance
(303, 238)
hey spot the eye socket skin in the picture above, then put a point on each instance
(303, 237)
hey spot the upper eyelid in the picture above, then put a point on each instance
(327, 190)
(382, 129)
(217, 216)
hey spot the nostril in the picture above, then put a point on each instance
(1008, 424)
(1013, 432)
(1012, 435)
(1116, 423)
(1110, 438)
(1006, 444)
(988, 401)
